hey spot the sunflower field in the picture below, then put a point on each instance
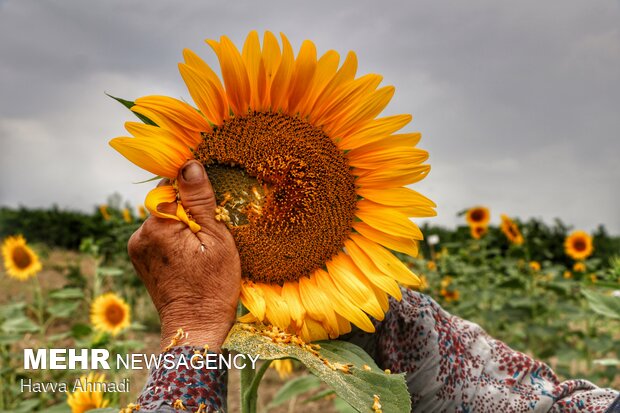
(543, 289)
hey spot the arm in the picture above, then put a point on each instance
(453, 365)
(194, 282)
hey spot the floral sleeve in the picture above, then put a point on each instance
(452, 365)
(184, 389)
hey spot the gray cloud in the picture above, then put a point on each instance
(518, 102)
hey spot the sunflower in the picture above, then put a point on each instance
(127, 216)
(534, 266)
(478, 231)
(579, 267)
(103, 210)
(511, 230)
(578, 245)
(478, 216)
(84, 400)
(109, 313)
(283, 367)
(20, 261)
(309, 180)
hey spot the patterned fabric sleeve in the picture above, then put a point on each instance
(184, 389)
(452, 365)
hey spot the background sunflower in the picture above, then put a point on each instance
(578, 245)
(20, 261)
(110, 313)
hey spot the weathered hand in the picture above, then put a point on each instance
(193, 279)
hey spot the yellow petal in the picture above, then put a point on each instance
(354, 285)
(252, 58)
(235, 75)
(290, 294)
(342, 305)
(405, 245)
(399, 139)
(312, 330)
(390, 177)
(183, 217)
(370, 270)
(396, 197)
(253, 299)
(318, 306)
(161, 195)
(280, 84)
(150, 155)
(343, 76)
(385, 219)
(177, 116)
(344, 326)
(205, 94)
(270, 60)
(305, 67)
(357, 117)
(365, 159)
(276, 308)
(326, 68)
(374, 131)
(386, 261)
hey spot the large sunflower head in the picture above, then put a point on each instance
(20, 261)
(82, 401)
(310, 181)
(478, 216)
(511, 230)
(578, 245)
(110, 313)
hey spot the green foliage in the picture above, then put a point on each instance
(337, 363)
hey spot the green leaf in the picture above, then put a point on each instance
(129, 104)
(342, 406)
(25, 406)
(80, 330)
(57, 408)
(63, 309)
(67, 293)
(320, 395)
(9, 338)
(606, 305)
(607, 362)
(357, 387)
(294, 388)
(19, 325)
(110, 271)
(10, 310)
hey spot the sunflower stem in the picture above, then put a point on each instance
(250, 382)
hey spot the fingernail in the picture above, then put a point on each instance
(193, 172)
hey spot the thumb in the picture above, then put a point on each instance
(197, 193)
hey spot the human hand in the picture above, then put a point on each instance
(192, 278)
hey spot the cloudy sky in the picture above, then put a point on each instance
(518, 102)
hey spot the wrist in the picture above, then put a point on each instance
(196, 332)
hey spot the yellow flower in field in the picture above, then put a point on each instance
(534, 266)
(511, 230)
(578, 245)
(103, 210)
(579, 267)
(283, 367)
(20, 261)
(478, 216)
(593, 278)
(431, 265)
(445, 282)
(450, 295)
(567, 275)
(110, 313)
(311, 182)
(127, 216)
(141, 212)
(87, 395)
(478, 231)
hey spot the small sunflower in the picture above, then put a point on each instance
(579, 267)
(310, 181)
(511, 230)
(127, 216)
(20, 261)
(478, 231)
(103, 210)
(110, 313)
(82, 401)
(283, 367)
(567, 274)
(534, 266)
(578, 245)
(478, 216)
